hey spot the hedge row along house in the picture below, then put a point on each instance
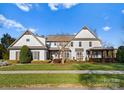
(85, 45)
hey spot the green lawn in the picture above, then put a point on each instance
(73, 66)
(54, 80)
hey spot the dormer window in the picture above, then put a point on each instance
(27, 40)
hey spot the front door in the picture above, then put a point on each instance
(79, 55)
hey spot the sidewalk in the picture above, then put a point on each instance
(64, 72)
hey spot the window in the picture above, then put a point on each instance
(27, 40)
(36, 55)
(80, 44)
(71, 44)
(90, 44)
(54, 43)
(17, 55)
(67, 54)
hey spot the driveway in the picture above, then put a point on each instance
(64, 72)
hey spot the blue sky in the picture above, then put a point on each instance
(46, 19)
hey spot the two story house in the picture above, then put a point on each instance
(42, 48)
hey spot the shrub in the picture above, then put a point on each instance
(120, 54)
(5, 55)
(12, 61)
(25, 55)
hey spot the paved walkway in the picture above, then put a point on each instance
(64, 72)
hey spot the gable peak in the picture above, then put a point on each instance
(28, 32)
(85, 28)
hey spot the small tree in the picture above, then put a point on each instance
(120, 54)
(25, 55)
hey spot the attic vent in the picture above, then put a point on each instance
(27, 40)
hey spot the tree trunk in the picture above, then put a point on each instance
(63, 60)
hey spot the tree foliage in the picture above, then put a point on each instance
(120, 54)
(1, 51)
(25, 55)
(6, 41)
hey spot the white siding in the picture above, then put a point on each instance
(12, 54)
(85, 46)
(43, 40)
(22, 41)
(84, 33)
(42, 54)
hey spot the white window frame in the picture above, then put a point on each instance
(36, 55)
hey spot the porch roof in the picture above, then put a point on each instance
(102, 48)
(31, 47)
(57, 48)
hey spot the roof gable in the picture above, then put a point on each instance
(85, 33)
(34, 41)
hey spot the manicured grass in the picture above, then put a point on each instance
(72, 66)
(26, 80)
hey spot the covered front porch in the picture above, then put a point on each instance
(99, 54)
(55, 53)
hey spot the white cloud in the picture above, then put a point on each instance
(55, 6)
(9, 23)
(106, 28)
(122, 11)
(69, 5)
(24, 6)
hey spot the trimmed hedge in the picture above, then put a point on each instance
(25, 55)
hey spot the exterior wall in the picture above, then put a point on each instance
(43, 40)
(33, 41)
(84, 33)
(42, 54)
(52, 44)
(85, 46)
(12, 54)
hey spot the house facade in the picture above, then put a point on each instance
(37, 45)
(74, 46)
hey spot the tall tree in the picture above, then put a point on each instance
(7, 40)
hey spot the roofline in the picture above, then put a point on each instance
(60, 35)
(89, 31)
(23, 35)
(30, 47)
